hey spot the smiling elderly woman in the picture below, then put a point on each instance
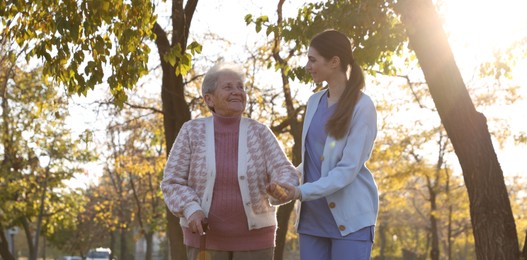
(217, 173)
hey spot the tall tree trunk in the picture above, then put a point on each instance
(29, 237)
(112, 244)
(491, 214)
(524, 250)
(417, 240)
(283, 215)
(175, 108)
(4, 246)
(284, 212)
(149, 245)
(450, 215)
(176, 112)
(434, 251)
(433, 191)
(44, 241)
(123, 248)
(6, 143)
(449, 233)
(40, 215)
(381, 231)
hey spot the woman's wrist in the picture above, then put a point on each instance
(298, 194)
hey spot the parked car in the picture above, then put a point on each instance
(70, 257)
(99, 254)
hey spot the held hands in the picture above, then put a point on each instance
(197, 223)
(283, 192)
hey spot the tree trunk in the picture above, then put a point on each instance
(112, 244)
(4, 247)
(29, 238)
(149, 245)
(381, 232)
(123, 248)
(434, 251)
(524, 250)
(4, 75)
(44, 241)
(177, 249)
(450, 215)
(40, 216)
(175, 108)
(283, 215)
(176, 112)
(284, 212)
(449, 233)
(491, 214)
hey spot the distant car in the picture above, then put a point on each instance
(99, 254)
(70, 257)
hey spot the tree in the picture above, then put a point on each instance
(76, 40)
(440, 187)
(75, 230)
(447, 97)
(491, 214)
(289, 40)
(38, 152)
(417, 197)
(292, 121)
(140, 159)
(174, 63)
(76, 45)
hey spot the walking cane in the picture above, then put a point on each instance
(203, 241)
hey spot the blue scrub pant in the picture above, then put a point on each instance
(323, 248)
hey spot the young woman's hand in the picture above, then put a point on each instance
(283, 192)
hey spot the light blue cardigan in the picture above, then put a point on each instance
(345, 182)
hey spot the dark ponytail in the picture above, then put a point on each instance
(329, 44)
(338, 124)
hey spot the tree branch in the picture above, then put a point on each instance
(153, 109)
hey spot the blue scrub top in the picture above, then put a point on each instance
(315, 216)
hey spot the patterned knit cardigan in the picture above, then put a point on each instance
(190, 170)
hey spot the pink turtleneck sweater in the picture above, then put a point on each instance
(227, 221)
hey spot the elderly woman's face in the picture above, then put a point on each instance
(229, 98)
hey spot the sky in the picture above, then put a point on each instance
(475, 28)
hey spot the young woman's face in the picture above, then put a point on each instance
(229, 97)
(318, 66)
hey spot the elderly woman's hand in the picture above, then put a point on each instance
(283, 192)
(197, 222)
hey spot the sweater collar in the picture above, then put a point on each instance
(225, 122)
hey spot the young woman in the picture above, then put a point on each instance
(338, 194)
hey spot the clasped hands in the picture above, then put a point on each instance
(197, 222)
(283, 192)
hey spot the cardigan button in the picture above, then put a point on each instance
(242, 177)
(332, 205)
(322, 157)
(342, 228)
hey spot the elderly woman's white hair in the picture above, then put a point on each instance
(211, 78)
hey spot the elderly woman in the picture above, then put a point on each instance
(217, 173)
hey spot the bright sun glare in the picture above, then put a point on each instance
(486, 24)
(476, 29)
